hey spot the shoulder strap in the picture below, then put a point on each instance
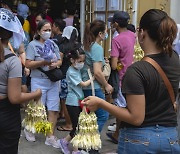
(39, 68)
(10, 47)
(9, 55)
(92, 82)
(164, 77)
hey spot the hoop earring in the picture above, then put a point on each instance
(141, 42)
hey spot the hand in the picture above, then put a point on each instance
(106, 60)
(47, 62)
(109, 88)
(93, 78)
(52, 66)
(38, 93)
(26, 71)
(92, 102)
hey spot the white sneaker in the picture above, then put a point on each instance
(29, 136)
(52, 141)
(112, 127)
(84, 152)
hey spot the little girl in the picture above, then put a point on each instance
(75, 93)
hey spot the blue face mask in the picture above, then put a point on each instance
(106, 36)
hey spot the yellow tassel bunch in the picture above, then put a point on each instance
(35, 120)
(138, 53)
(88, 136)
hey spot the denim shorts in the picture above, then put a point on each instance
(155, 140)
(102, 115)
(50, 92)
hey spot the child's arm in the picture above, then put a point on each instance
(85, 83)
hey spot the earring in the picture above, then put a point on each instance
(141, 42)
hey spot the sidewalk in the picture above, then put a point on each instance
(39, 147)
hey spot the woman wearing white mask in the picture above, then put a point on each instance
(96, 32)
(50, 90)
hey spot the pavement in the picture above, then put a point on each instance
(39, 147)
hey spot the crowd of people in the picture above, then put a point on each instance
(146, 118)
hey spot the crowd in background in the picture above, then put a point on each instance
(141, 103)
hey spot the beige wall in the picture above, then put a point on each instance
(144, 5)
(175, 11)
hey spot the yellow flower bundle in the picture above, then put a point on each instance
(35, 120)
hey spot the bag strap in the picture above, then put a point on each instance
(39, 68)
(92, 82)
(10, 47)
(9, 55)
(164, 77)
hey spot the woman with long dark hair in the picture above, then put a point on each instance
(149, 120)
(96, 32)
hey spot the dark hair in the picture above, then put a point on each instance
(71, 44)
(5, 35)
(43, 6)
(39, 27)
(71, 9)
(9, 3)
(74, 54)
(91, 32)
(161, 28)
(122, 23)
(131, 27)
(40, 13)
(61, 24)
(21, 19)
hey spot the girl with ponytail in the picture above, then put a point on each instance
(149, 121)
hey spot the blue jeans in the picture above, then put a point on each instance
(152, 140)
(102, 115)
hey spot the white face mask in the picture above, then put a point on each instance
(106, 36)
(79, 66)
(45, 35)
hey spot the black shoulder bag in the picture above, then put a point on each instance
(53, 75)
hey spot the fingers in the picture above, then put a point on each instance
(85, 101)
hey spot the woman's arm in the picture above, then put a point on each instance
(98, 74)
(35, 64)
(55, 64)
(114, 62)
(134, 113)
(16, 96)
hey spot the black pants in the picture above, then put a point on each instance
(74, 112)
(10, 127)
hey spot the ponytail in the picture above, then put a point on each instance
(161, 28)
(91, 32)
(167, 33)
(88, 38)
